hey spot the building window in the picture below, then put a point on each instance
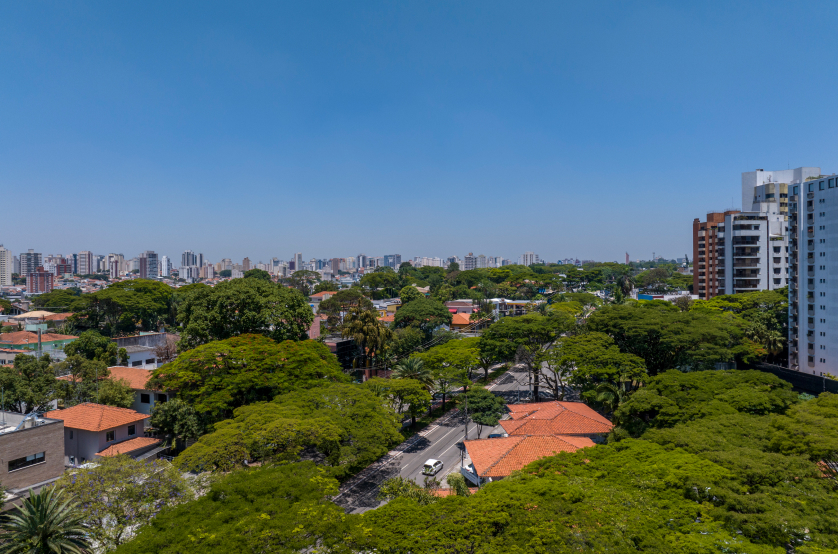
(161, 398)
(72, 460)
(138, 363)
(109, 436)
(71, 434)
(21, 463)
(132, 430)
(145, 398)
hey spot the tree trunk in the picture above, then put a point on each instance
(535, 376)
(443, 402)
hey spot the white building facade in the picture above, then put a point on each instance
(813, 303)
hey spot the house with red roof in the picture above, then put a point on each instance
(534, 431)
(145, 396)
(95, 430)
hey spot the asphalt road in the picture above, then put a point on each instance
(442, 440)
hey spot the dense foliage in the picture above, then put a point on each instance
(345, 427)
(243, 306)
(218, 377)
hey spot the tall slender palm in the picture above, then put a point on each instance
(369, 334)
(625, 282)
(413, 368)
(46, 523)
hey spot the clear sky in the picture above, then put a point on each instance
(582, 129)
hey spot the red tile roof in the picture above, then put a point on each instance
(130, 445)
(96, 417)
(555, 418)
(500, 457)
(137, 377)
(321, 294)
(26, 337)
(389, 318)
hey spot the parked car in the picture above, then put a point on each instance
(432, 467)
(498, 435)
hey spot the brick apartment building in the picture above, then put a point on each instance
(31, 451)
(39, 281)
(708, 255)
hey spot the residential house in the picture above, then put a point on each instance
(26, 340)
(31, 450)
(7, 356)
(534, 430)
(145, 397)
(94, 430)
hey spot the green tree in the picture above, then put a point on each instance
(409, 294)
(484, 408)
(57, 299)
(243, 306)
(424, 314)
(667, 338)
(93, 346)
(595, 359)
(324, 286)
(414, 368)
(402, 487)
(123, 307)
(46, 523)
(116, 392)
(272, 509)
(303, 280)
(5, 306)
(81, 380)
(344, 426)
(406, 341)
(527, 338)
(29, 384)
(370, 335)
(218, 377)
(177, 419)
(258, 274)
(401, 395)
(340, 303)
(121, 495)
(225, 273)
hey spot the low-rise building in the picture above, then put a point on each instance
(26, 340)
(533, 431)
(94, 430)
(31, 450)
(145, 397)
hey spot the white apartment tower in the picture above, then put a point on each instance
(86, 266)
(813, 298)
(6, 266)
(528, 258)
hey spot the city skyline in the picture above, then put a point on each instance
(385, 128)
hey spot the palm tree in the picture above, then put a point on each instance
(413, 368)
(625, 282)
(44, 524)
(369, 334)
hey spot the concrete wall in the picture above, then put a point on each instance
(145, 408)
(84, 445)
(45, 438)
(154, 340)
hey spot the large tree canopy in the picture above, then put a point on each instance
(667, 338)
(124, 307)
(346, 426)
(275, 509)
(29, 384)
(243, 306)
(93, 346)
(423, 313)
(218, 377)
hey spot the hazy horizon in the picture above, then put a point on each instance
(423, 129)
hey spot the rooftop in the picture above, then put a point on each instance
(554, 418)
(137, 377)
(500, 457)
(130, 445)
(96, 417)
(27, 337)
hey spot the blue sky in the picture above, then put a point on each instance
(582, 129)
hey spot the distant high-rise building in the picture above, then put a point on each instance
(200, 260)
(39, 281)
(361, 260)
(6, 266)
(469, 262)
(16, 268)
(188, 258)
(149, 267)
(334, 264)
(393, 260)
(29, 262)
(298, 261)
(165, 266)
(246, 264)
(528, 258)
(207, 271)
(481, 262)
(85, 263)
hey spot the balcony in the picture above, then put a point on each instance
(746, 263)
